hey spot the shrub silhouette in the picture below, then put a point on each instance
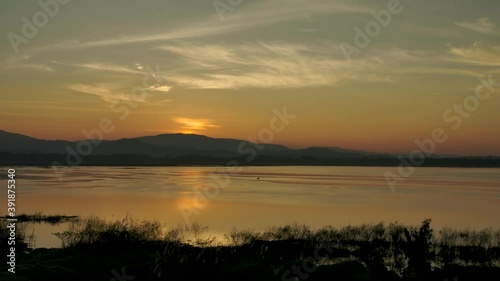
(377, 251)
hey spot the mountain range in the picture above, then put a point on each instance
(191, 149)
(171, 145)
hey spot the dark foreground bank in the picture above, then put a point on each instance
(94, 249)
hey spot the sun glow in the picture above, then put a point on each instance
(192, 126)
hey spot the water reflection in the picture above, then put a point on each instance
(262, 196)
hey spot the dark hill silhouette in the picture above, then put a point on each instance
(200, 142)
(172, 145)
(189, 149)
(17, 143)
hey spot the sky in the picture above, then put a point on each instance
(376, 75)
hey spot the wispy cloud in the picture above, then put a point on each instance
(267, 65)
(285, 10)
(37, 67)
(113, 93)
(162, 88)
(430, 29)
(479, 53)
(108, 67)
(25, 61)
(259, 13)
(182, 33)
(482, 25)
(289, 65)
(139, 66)
(105, 92)
(194, 125)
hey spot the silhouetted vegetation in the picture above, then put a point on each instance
(95, 231)
(39, 218)
(93, 247)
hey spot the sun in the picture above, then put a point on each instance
(194, 125)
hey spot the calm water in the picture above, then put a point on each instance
(258, 197)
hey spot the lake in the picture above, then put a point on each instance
(258, 197)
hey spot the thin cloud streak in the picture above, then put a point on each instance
(163, 88)
(265, 65)
(479, 54)
(37, 67)
(107, 67)
(259, 14)
(111, 93)
(102, 91)
(482, 25)
(288, 65)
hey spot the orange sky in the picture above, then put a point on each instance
(195, 72)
